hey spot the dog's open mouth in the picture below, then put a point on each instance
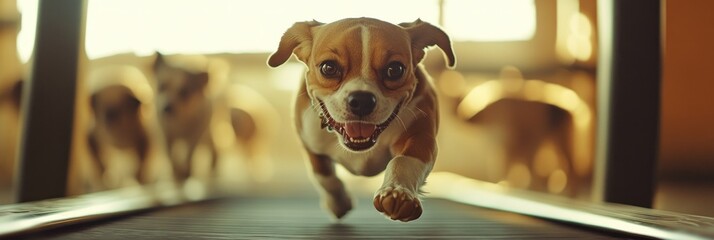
(356, 135)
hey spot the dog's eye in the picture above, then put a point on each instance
(330, 69)
(112, 115)
(394, 71)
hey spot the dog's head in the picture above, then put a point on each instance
(117, 112)
(361, 71)
(180, 87)
(117, 94)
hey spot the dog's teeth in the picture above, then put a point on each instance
(364, 140)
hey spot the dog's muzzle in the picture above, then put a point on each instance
(356, 135)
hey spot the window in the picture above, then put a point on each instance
(225, 26)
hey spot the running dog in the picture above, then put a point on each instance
(366, 103)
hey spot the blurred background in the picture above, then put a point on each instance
(518, 110)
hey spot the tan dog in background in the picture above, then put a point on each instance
(198, 106)
(367, 104)
(118, 139)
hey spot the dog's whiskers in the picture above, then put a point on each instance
(300, 94)
(325, 102)
(402, 122)
(316, 108)
(422, 111)
(413, 113)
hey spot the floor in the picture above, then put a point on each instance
(301, 218)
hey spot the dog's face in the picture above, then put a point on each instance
(117, 113)
(179, 92)
(360, 94)
(360, 72)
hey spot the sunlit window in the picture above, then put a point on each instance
(227, 26)
(488, 20)
(26, 38)
(193, 26)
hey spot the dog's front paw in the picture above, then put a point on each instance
(339, 206)
(398, 203)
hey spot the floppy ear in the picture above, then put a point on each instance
(200, 78)
(297, 39)
(424, 35)
(133, 102)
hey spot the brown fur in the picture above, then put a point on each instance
(419, 140)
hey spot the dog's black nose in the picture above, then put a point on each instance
(361, 103)
(168, 109)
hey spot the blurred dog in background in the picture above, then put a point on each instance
(118, 139)
(197, 107)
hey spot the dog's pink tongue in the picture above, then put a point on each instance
(359, 130)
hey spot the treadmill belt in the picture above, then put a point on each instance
(302, 218)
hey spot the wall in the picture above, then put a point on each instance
(687, 130)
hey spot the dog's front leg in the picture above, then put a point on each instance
(398, 198)
(180, 160)
(334, 197)
(141, 147)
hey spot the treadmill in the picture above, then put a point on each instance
(457, 207)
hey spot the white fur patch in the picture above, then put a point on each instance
(406, 172)
(366, 60)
